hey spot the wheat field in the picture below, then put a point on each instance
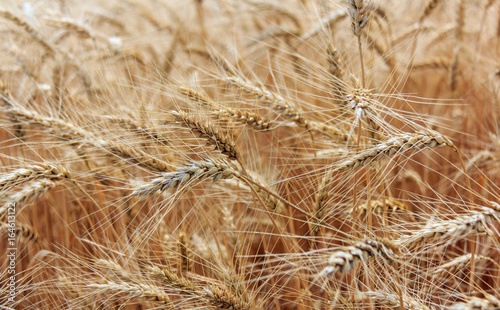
(250, 154)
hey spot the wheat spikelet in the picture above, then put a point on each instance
(253, 120)
(69, 132)
(362, 102)
(223, 299)
(130, 124)
(131, 155)
(428, 10)
(358, 13)
(206, 130)
(185, 257)
(452, 229)
(113, 268)
(334, 64)
(196, 96)
(490, 302)
(433, 63)
(133, 290)
(286, 109)
(250, 119)
(379, 205)
(281, 10)
(196, 170)
(173, 280)
(34, 172)
(28, 29)
(24, 231)
(390, 147)
(71, 25)
(394, 146)
(58, 127)
(391, 300)
(345, 260)
(457, 264)
(30, 192)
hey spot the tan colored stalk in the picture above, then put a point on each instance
(459, 36)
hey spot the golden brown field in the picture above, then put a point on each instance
(250, 154)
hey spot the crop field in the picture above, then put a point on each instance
(250, 154)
